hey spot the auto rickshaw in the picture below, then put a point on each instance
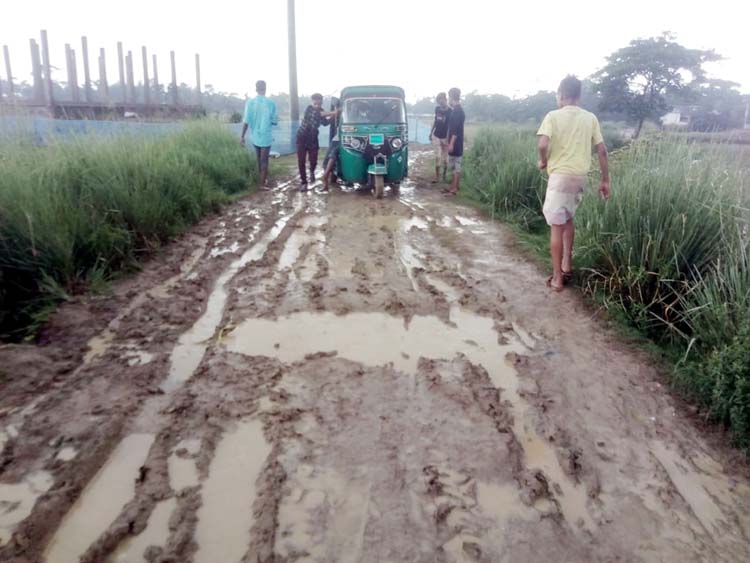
(374, 137)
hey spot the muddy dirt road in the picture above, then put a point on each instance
(335, 378)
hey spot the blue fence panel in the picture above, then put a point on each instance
(41, 130)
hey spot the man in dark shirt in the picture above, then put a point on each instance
(329, 162)
(455, 138)
(307, 138)
(439, 135)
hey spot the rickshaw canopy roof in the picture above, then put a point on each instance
(372, 91)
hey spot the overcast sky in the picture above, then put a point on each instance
(425, 46)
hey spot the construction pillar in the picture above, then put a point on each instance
(36, 71)
(293, 94)
(47, 69)
(131, 81)
(175, 97)
(8, 71)
(86, 73)
(198, 76)
(121, 65)
(157, 93)
(103, 84)
(146, 83)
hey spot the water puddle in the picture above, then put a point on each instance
(192, 344)
(182, 470)
(465, 221)
(221, 250)
(101, 501)
(225, 517)
(524, 336)
(298, 238)
(155, 534)
(410, 259)
(66, 454)
(414, 223)
(376, 339)
(701, 492)
(18, 499)
(138, 357)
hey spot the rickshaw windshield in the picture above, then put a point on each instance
(374, 110)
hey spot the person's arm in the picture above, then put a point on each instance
(244, 131)
(274, 115)
(601, 151)
(246, 121)
(545, 134)
(434, 124)
(543, 148)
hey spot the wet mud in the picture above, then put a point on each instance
(331, 377)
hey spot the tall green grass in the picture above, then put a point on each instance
(668, 252)
(81, 210)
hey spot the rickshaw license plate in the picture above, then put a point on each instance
(377, 139)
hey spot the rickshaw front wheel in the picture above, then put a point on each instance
(379, 186)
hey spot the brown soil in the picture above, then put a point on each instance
(315, 377)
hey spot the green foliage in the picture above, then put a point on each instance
(637, 78)
(721, 383)
(502, 175)
(667, 254)
(73, 213)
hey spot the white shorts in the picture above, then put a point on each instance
(564, 195)
(441, 150)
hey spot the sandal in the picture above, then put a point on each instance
(567, 277)
(553, 287)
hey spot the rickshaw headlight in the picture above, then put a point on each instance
(356, 143)
(397, 143)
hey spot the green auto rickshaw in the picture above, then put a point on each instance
(374, 137)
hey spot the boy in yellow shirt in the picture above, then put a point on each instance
(565, 140)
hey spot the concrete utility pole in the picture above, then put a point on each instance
(47, 69)
(293, 95)
(747, 116)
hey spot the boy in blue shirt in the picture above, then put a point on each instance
(260, 117)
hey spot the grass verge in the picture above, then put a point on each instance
(667, 255)
(75, 213)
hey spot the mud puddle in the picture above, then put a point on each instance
(192, 345)
(18, 499)
(225, 517)
(101, 501)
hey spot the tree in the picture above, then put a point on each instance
(638, 78)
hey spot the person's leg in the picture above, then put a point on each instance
(437, 146)
(313, 153)
(257, 158)
(444, 158)
(265, 153)
(556, 254)
(301, 153)
(327, 174)
(568, 235)
(456, 165)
